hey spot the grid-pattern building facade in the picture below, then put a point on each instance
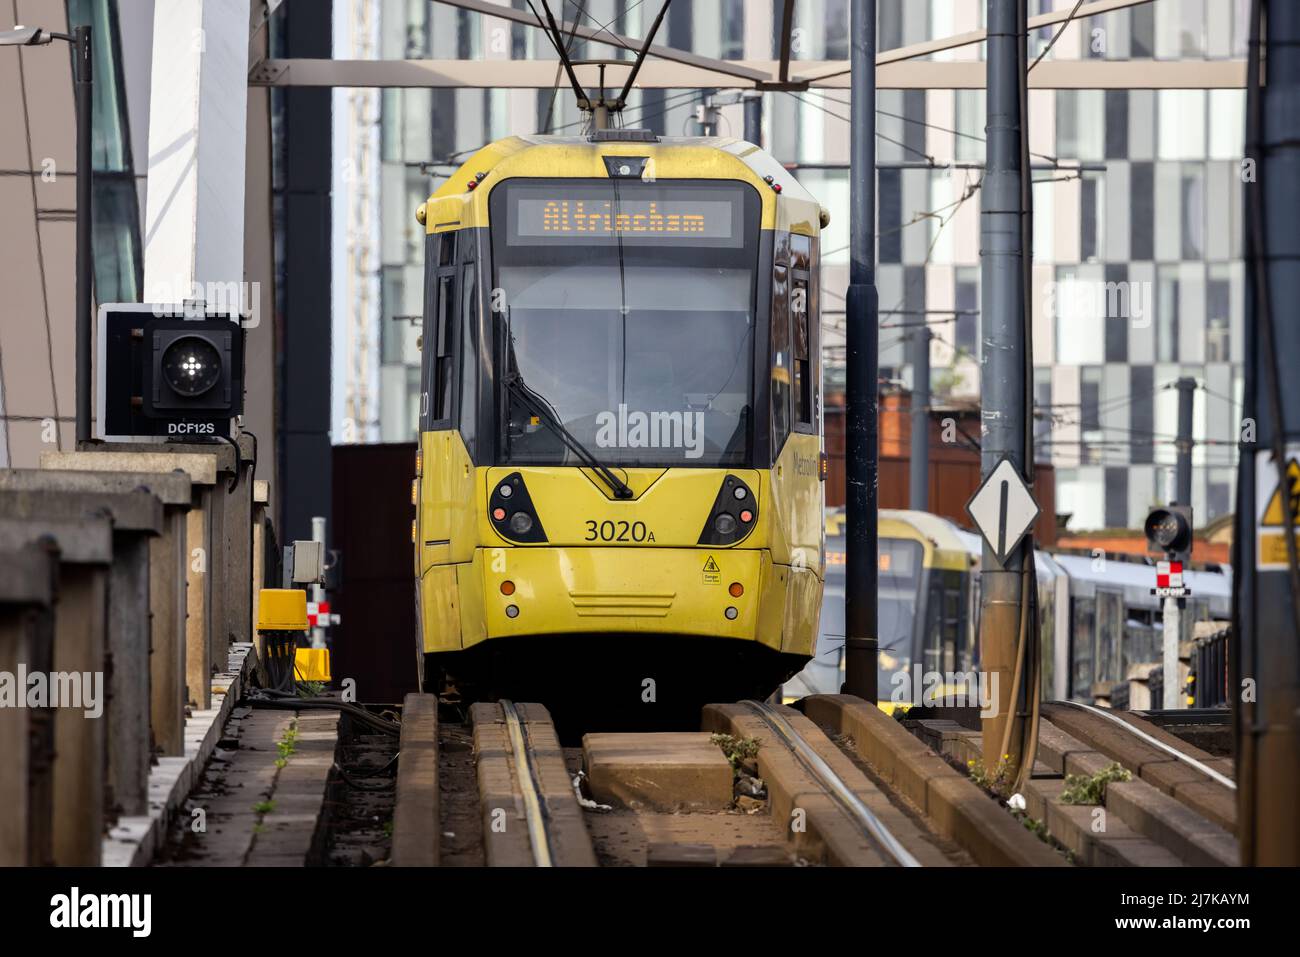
(1137, 275)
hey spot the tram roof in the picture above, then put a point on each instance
(457, 204)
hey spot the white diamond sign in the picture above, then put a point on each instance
(1003, 509)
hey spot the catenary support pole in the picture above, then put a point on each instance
(1002, 363)
(1266, 688)
(862, 358)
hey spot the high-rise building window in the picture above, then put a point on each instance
(1192, 193)
(966, 328)
(1043, 409)
(1218, 493)
(1180, 29)
(969, 107)
(889, 194)
(1167, 314)
(1117, 320)
(1142, 413)
(1143, 31)
(837, 29)
(1218, 316)
(1091, 450)
(1142, 217)
(1116, 497)
(1092, 208)
(115, 207)
(1116, 110)
(733, 29)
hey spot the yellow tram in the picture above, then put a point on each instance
(619, 481)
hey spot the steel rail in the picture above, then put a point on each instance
(1156, 742)
(534, 808)
(816, 765)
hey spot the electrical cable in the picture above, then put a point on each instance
(352, 782)
(1056, 36)
(550, 108)
(323, 704)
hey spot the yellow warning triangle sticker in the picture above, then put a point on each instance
(1273, 514)
(710, 565)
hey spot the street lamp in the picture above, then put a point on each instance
(80, 40)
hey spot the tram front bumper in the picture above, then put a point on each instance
(724, 593)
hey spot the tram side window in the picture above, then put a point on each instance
(803, 380)
(468, 367)
(1084, 615)
(1110, 630)
(443, 367)
(439, 327)
(781, 371)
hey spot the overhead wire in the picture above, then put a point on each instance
(1056, 36)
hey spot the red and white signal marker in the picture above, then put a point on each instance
(1169, 580)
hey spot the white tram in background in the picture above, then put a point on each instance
(1097, 617)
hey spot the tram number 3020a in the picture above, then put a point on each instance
(608, 531)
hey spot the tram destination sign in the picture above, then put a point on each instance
(684, 213)
(640, 218)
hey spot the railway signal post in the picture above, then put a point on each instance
(861, 572)
(1169, 532)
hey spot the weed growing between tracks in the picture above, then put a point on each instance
(997, 783)
(285, 746)
(741, 752)
(1091, 788)
(749, 793)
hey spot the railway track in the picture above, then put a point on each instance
(1192, 777)
(1177, 753)
(498, 789)
(525, 766)
(868, 822)
(529, 811)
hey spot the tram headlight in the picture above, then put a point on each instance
(733, 515)
(511, 509)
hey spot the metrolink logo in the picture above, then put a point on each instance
(651, 430)
(57, 689)
(947, 689)
(74, 910)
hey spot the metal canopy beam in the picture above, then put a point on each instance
(930, 47)
(730, 67)
(906, 75)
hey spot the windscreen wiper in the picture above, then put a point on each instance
(542, 410)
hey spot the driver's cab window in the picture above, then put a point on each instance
(439, 330)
